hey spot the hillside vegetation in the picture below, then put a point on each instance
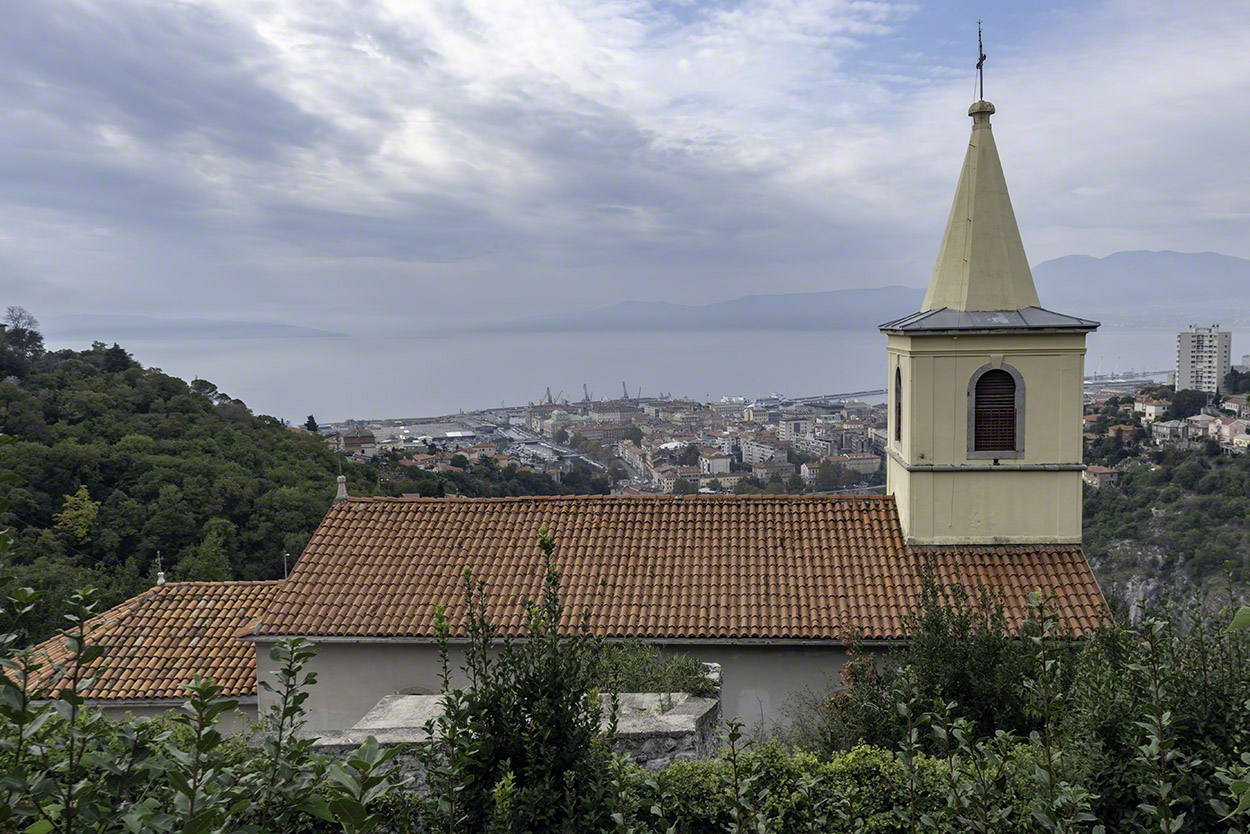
(1176, 525)
(114, 463)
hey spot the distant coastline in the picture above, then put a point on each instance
(1138, 289)
(107, 328)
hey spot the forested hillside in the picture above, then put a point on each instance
(113, 463)
(1177, 524)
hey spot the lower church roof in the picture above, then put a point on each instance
(163, 638)
(808, 568)
(794, 568)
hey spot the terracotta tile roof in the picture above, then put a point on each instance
(658, 567)
(1018, 570)
(168, 634)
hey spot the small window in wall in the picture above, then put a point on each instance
(996, 413)
(898, 405)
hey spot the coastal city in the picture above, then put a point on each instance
(826, 443)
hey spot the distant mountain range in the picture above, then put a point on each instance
(1141, 286)
(108, 328)
(1128, 288)
(838, 309)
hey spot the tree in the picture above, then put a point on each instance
(1187, 403)
(19, 318)
(795, 483)
(210, 560)
(689, 455)
(683, 487)
(78, 515)
(714, 485)
(117, 359)
(204, 388)
(561, 436)
(799, 458)
(831, 476)
(459, 461)
(311, 423)
(23, 336)
(1237, 382)
(634, 435)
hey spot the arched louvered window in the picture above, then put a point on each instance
(994, 420)
(898, 405)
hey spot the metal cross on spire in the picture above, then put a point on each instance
(980, 62)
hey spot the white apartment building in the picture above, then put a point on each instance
(717, 464)
(792, 428)
(758, 451)
(1203, 358)
(1150, 409)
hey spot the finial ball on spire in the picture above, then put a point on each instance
(980, 112)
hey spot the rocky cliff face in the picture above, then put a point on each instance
(1141, 576)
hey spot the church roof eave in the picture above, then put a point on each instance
(947, 320)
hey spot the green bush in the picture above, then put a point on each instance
(641, 667)
(529, 719)
(66, 768)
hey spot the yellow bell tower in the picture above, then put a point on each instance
(985, 386)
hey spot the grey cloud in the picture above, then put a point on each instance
(223, 185)
(160, 70)
(427, 228)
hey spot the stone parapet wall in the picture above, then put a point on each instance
(653, 728)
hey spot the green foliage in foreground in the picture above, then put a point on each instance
(1138, 729)
(65, 767)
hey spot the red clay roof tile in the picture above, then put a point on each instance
(658, 567)
(167, 635)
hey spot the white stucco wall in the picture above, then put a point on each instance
(235, 721)
(758, 682)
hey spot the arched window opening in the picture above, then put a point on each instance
(898, 405)
(994, 421)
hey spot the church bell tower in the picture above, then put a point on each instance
(985, 385)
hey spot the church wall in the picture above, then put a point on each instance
(758, 680)
(231, 723)
(936, 373)
(1023, 506)
(946, 497)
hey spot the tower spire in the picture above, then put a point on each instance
(981, 264)
(980, 63)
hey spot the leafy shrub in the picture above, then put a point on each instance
(960, 650)
(529, 718)
(641, 667)
(64, 767)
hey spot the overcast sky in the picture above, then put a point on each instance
(375, 163)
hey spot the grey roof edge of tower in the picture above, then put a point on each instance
(947, 320)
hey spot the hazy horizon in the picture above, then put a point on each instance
(375, 377)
